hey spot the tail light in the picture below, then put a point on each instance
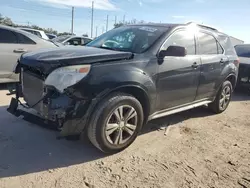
(237, 62)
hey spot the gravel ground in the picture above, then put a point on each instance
(198, 149)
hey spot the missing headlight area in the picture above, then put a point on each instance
(50, 105)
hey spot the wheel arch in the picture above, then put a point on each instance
(136, 91)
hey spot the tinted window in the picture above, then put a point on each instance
(24, 40)
(7, 36)
(38, 33)
(243, 50)
(75, 41)
(86, 41)
(182, 38)
(207, 44)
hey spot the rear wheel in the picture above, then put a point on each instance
(116, 123)
(223, 98)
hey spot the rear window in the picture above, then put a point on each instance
(243, 50)
(226, 44)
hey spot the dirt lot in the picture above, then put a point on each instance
(199, 150)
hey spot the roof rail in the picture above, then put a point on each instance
(202, 25)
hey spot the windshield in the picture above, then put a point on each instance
(61, 38)
(136, 39)
(243, 50)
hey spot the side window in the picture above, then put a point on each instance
(37, 33)
(22, 39)
(86, 41)
(182, 38)
(207, 44)
(75, 41)
(7, 36)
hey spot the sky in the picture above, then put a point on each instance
(230, 16)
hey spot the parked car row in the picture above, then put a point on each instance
(111, 87)
(14, 42)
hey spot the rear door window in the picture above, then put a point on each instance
(7, 36)
(182, 38)
(22, 39)
(207, 44)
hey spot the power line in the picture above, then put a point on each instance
(92, 19)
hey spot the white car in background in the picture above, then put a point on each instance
(39, 33)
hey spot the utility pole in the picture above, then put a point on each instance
(96, 32)
(124, 19)
(107, 24)
(72, 22)
(92, 19)
(102, 29)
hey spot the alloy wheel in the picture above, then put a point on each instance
(121, 125)
(225, 97)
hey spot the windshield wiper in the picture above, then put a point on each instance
(109, 48)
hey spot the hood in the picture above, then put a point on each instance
(46, 60)
(244, 60)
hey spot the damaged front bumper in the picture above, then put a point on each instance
(59, 110)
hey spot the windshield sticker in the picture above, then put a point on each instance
(149, 29)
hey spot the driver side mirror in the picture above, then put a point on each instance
(176, 51)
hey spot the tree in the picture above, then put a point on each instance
(64, 33)
(7, 21)
(1, 18)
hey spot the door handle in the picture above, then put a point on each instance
(223, 60)
(195, 65)
(19, 51)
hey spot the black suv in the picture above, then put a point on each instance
(132, 74)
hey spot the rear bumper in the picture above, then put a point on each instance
(244, 76)
(62, 112)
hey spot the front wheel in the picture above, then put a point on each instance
(116, 123)
(223, 98)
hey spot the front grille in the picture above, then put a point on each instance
(33, 89)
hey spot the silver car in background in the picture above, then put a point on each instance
(14, 42)
(72, 40)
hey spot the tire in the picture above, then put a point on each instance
(226, 92)
(106, 137)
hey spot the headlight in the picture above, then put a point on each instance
(64, 77)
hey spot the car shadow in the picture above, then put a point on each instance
(27, 148)
(176, 118)
(241, 95)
